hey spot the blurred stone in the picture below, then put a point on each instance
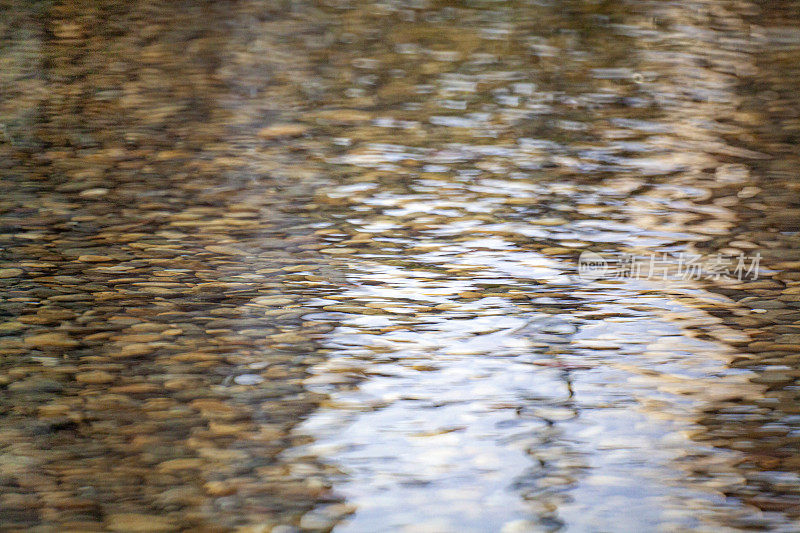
(139, 523)
(50, 340)
(277, 131)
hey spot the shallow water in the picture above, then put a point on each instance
(316, 265)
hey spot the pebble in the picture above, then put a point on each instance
(94, 377)
(225, 250)
(227, 429)
(344, 116)
(139, 523)
(277, 131)
(176, 465)
(8, 328)
(95, 258)
(339, 251)
(50, 340)
(36, 384)
(93, 193)
(136, 388)
(315, 521)
(248, 379)
(772, 378)
(284, 529)
(272, 301)
(10, 272)
(132, 350)
(220, 488)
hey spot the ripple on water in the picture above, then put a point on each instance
(318, 269)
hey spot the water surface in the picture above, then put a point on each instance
(315, 265)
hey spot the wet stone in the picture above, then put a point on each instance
(139, 523)
(50, 340)
(9, 328)
(10, 272)
(35, 384)
(316, 521)
(277, 131)
(248, 379)
(94, 377)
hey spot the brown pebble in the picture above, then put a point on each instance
(50, 340)
(219, 488)
(276, 131)
(133, 350)
(175, 465)
(10, 272)
(95, 377)
(135, 388)
(139, 523)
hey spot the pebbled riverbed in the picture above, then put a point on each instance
(279, 266)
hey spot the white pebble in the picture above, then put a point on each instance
(248, 379)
